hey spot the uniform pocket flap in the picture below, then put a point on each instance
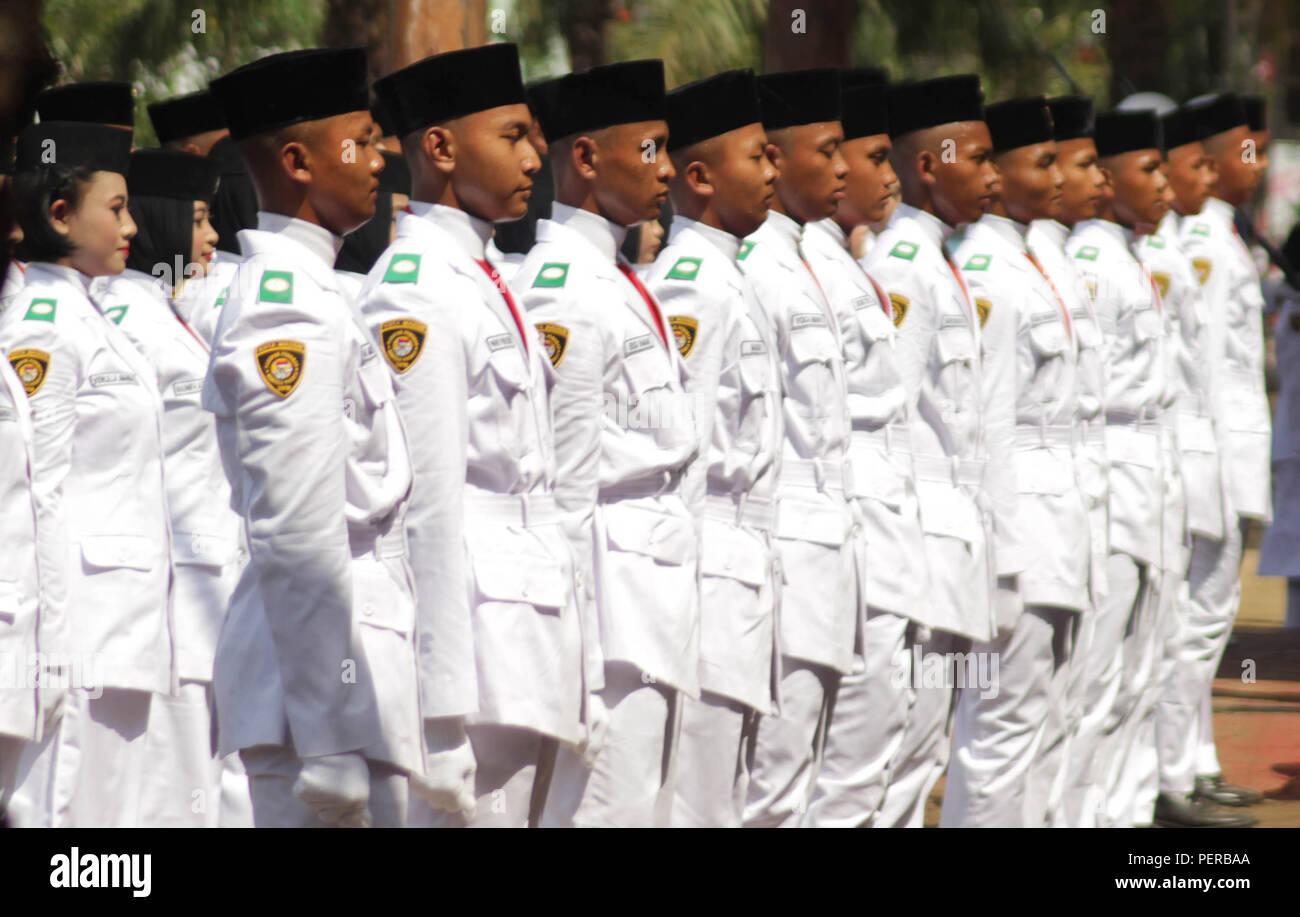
(947, 511)
(527, 579)
(875, 477)
(955, 345)
(132, 551)
(826, 523)
(1047, 334)
(732, 553)
(203, 550)
(668, 539)
(1039, 471)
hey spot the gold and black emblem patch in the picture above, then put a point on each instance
(555, 340)
(899, 302)
(684, 331)
(403, 340)
(1202, 268)
(30, 366)
(1162, 283)
(280, 363)
(982, 308)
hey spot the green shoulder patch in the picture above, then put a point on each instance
(684, 269)
(1200, 229)
(116, 314)
(745, 248)
(1155, 241)
(903, 249)
(978, 263)
(276, 286)
(403, 269)
(221, 297)
(552, 274)
(41, 310)
(1087, 253)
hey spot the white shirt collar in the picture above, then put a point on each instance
(935, 229)
(784, 227)
(1220, 208)
(316, 239)
(62, 272)
(471, 232)
(834, 230)
(1009, 230)
(605, 234)
(1054, 230)
(724, 241)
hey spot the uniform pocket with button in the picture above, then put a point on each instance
(668, 539)
(730, 552)
(134, 552)
(812, 378)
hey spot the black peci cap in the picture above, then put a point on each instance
(387, 126)
(84, 144)
(1178, 128)
(1256, 112)
(292, 87)
(799, 97)
(929, 103)
(1119, 132)
(600, 97)
(1071, 117)
(186, 116)
(1019, 122)
(171, 173)
(396, 177)
(98, 103)
(712, 106)
(1217, 114)
(450, 85)
(863, 76)
(864, 102)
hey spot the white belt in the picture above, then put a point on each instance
(667, 481)
(1146, 420)
(949, 469)
(1093, 432)
(513, 509)
(1044, 435)
(741, 510)
(894, 437)
(816, 473)
(1248, 378)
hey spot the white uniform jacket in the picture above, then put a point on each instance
(207, 535)
(1128, 309)
(939, 352)
(15, 277)
(1192, 377)
(1230, 284)
(28, 623)
(624, 436)
(200, 300)
(730, 356)
(317, 648)
(1046, 239)
(97, 419)
(821, 609)
(880, 452)
(474, 397)
(1030, 363)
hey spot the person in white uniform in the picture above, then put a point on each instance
(624, 437)
(98, 476)
(315, 673)
(473, 385)
(1230, 285)
(1129, 309)
(720, 194)
(1082, 190)
(1030, 364)
(816, 534)
(871, 706)
(170, 193)
(943, 156)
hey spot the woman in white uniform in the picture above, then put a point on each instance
(170, 196)
(97, 477)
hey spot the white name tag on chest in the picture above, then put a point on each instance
(637, 344)
(752, 348)
(187, 387)
(499, 342)
(807, 320)
(99, 380)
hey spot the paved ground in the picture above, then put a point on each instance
(1256, 724)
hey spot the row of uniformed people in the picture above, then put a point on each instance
(551, 613)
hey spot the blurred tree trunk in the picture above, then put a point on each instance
(583, 24)
(1138, 33)
(399, 32)
(803, 34)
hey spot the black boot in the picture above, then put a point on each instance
(1227, 794)
(1179, 810)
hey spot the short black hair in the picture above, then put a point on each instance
(35, 190)
(164, 230)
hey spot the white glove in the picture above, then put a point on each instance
(449, 767)
(336, 788)
(597, 724)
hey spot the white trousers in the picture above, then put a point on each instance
(11, 751)
(631, 783)
(1140, 781)
(923, 753)
(182, 770)
(713, 760)
(89, 770)
(999, 730)
(272, 770)
(866, 729)
(1050, 772)
(509, 759)
(788, 749)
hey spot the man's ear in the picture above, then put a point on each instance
(295, 160)
(926, 165)
(584, 157)
(698, 179)
(773, 154)
(439, 148)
